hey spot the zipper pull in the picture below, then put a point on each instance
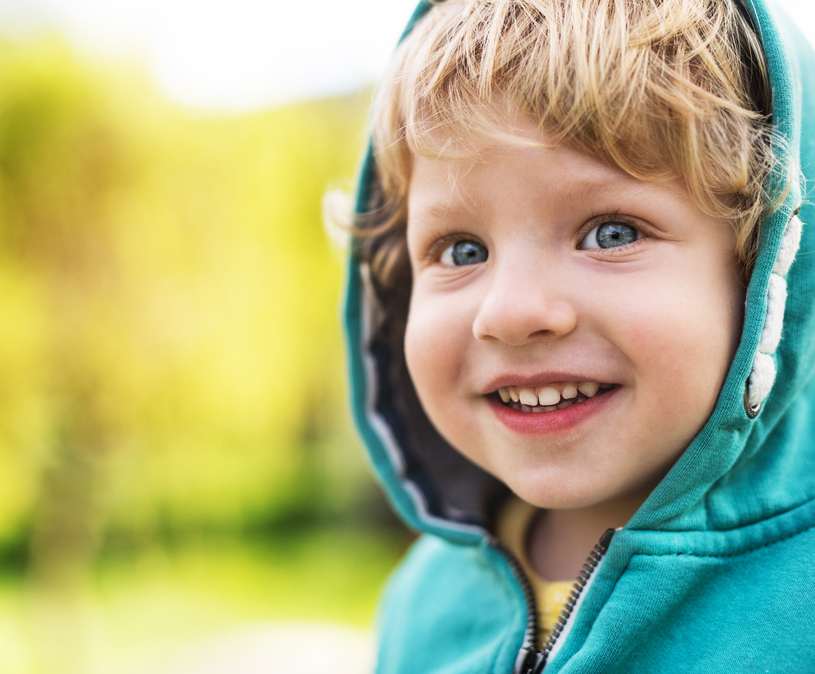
(529, 661)
(605, 539)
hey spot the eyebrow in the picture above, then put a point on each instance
(601, 181)
(453, 207)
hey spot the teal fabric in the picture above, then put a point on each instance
(716, 571)
(475, 581)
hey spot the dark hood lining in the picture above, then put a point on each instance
(453, 487)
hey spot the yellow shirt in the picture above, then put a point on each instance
(513, 529)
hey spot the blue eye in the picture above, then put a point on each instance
(463, 253)
(610, 235)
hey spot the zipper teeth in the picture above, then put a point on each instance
(531, 659)
(594, 558)
(531, 634)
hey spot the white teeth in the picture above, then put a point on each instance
(548, 396)
(588, 388)
(528, 397)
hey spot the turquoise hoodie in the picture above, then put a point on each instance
(716, 571)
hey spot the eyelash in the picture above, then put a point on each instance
(599, 221)
(442, 243)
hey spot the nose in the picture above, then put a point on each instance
(524, 303)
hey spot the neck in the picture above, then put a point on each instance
(560, 540)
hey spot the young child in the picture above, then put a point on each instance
(579, 346)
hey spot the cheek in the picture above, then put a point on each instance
(682, 335)
(438, 338)
(433, 343)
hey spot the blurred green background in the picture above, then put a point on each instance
(176, 457)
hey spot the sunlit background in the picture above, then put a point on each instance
(181, 490)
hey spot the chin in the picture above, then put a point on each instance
(558, 496)
(557, 493)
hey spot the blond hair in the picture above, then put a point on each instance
(658, 88)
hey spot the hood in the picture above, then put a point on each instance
(755, 457)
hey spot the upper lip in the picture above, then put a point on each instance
(540, 379)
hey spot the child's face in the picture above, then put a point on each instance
(539, 268)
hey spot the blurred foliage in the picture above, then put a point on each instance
(142, 610)
(175, 451)
(171, 357)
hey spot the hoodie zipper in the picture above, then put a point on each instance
(531, 659)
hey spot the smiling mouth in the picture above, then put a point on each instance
(550, 398)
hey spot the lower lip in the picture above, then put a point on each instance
(529, 423)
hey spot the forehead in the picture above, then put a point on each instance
(512, 176)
